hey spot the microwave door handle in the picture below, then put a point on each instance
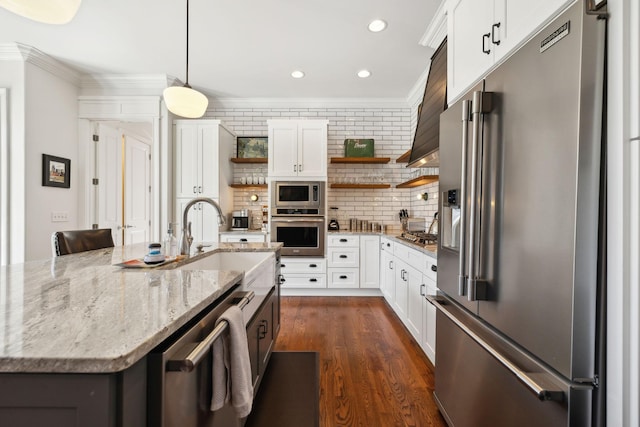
(462, 279)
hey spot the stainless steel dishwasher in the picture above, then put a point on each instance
(179, 373)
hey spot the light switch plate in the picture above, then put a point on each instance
(61, 216)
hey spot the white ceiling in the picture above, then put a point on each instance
(244, 48)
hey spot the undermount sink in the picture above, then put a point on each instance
(258, 268)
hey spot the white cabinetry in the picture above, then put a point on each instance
(482, 32)
(302, 272)
(370, 261)
(408, 301)
(387, 273)
(202, 152)
(353, 261)
(298, 148)
(428, 342)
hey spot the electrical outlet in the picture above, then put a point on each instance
(61, 216)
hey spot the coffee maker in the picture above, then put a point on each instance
(240, 220)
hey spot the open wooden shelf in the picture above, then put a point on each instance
(417, 182)
(249, 160)
(248, 186)
(362, 160)
(404, 158)
(362, 186)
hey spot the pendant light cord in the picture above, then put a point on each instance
(187, 74)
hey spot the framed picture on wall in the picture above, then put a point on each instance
(252, 146)
(56, 171)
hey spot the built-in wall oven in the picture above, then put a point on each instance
(298, 217)
(300, 235)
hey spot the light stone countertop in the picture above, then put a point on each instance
(81, 314)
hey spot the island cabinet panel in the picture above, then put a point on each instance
(61, 400)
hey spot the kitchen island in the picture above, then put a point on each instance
(76, 330)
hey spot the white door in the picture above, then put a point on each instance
(283, 149)
(312, 149)
(137, 162)
(123, 168)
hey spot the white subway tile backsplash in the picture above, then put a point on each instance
(392, 130)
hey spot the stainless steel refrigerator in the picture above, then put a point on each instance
(520, 259)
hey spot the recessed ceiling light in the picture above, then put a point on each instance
(297, 74)
(377, 25)
(363, 74)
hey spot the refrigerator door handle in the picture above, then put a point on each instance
(533, 381)
(462, 278)
(476, 288)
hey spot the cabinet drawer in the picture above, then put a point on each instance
(304, 281)
(343, 241)
(303, 265)
(343, 277)
(386, 245)
(343, 257)
(431, 268)
(414, 258)
(242, 238)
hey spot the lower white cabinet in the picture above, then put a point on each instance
(353, 261)
(303, 272)
(387, 273)
(428, 342)
(203, 218)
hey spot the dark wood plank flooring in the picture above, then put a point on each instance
(372, 373)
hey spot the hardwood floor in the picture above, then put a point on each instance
(372, 373)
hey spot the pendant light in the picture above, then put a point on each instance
(46, 11)
(182, 100)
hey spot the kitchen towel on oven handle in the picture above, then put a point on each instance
(231, 368)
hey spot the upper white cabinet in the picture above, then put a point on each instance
(482, 32)
(298, 148)
(202, 169)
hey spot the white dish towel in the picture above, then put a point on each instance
(231, 370)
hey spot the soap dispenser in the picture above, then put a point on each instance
(170, 244)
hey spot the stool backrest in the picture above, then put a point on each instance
(74, 241)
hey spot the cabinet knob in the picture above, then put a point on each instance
(434, 268)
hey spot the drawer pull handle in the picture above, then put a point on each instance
(313, 265)
(422, 290)
(283, 265)
(243, 240)
(344, 240)
(313, 280)
(343, 256)
(343, 277)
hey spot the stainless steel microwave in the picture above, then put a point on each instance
(297, 198)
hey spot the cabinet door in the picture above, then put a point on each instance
(312, 149)
(519, 19)
(414, 303)
(208, 161)
(195, 217)
(209, 223)
(283, 149)
(387, 277)
(467, 23)
(187, 162)
(401, 289)
(370, 262)
(429, 322)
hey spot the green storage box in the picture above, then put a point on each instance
(358, 147)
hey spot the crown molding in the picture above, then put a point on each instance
(128, 81)
(31, 55)
(307, 103)
(437, 29)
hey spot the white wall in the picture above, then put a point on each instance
(51, 115)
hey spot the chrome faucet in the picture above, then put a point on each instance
(187, 238)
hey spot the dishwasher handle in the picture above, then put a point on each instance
(198, 353)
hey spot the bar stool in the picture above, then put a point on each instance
(74, 241)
